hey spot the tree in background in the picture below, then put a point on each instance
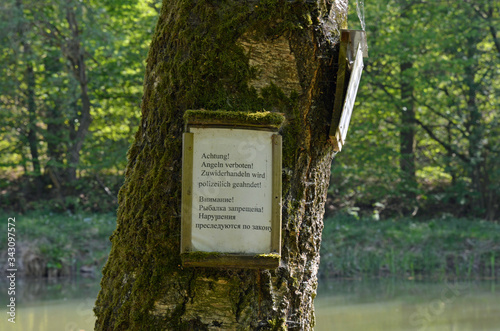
(462, 100)
(407, 18)
(70, 69)
(236, 56)
(431, 80)
(18, 91)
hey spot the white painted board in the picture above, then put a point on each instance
(232, 190)
(350, 98)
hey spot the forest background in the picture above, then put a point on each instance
(421, 166)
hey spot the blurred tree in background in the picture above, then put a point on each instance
(70, 89)
(425, 132)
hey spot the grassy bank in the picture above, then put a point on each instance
(410, 248)
(65, 244)
(59, 244)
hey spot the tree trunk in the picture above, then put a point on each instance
(29, 77)
(475, 128)
(55, 144)
(74, 52)
(407, 128)
(407, 131)
(232, 55)
(32, 138)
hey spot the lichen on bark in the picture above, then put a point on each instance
(197, 61)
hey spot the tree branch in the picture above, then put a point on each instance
(495, 39)
(446, 146)
(436, 112)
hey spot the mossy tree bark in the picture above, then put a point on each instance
(275, 55)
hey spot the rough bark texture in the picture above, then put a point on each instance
(201, 57)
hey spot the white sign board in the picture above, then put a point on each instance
(231, 195)
(350, 97)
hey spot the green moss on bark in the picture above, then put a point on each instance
(265, 118)
(278, 324)
(223, 260)
(200, 256)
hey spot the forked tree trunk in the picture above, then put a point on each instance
(232, 55)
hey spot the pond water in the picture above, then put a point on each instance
(43, 305)
(352, 305)
(394, 304)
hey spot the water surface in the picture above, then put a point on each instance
(347, 305)
(43, 305)
(391, 304)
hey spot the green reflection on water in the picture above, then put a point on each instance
(368, 305)
(43, 305)
(390, 304)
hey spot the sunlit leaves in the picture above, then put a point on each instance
(455, 75)
(114, 36)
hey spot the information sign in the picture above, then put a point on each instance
(231, 208)
(352, 49)
(350, 97)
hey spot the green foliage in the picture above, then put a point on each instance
(88, 194)
(447, 247)
(113, 37)
(61, 241)
(453, 82)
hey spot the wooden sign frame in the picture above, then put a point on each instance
(215, 123)
(353, 48)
